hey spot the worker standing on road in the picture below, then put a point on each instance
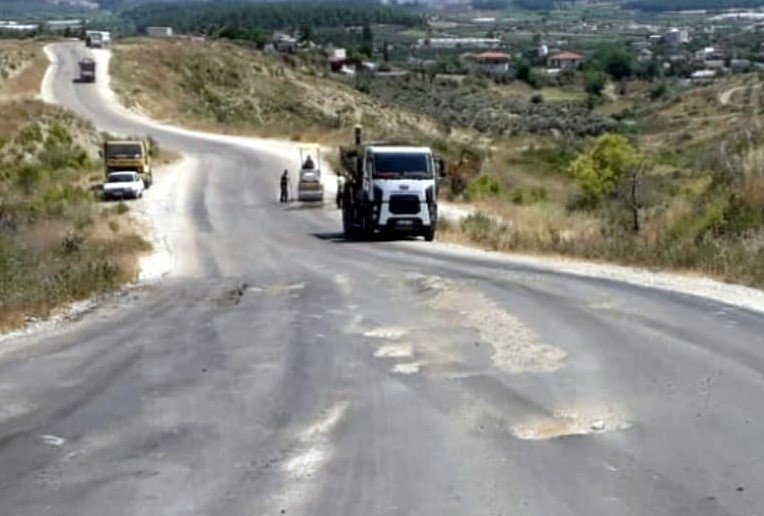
(340, 190)
(284, 187)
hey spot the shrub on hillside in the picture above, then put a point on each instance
(599, 170)
(483, 186)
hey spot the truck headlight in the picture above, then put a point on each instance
(429, 195)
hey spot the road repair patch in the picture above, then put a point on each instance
(517, 348)
(386, 332)
(571, 423)
(395, 351)
(407, 368)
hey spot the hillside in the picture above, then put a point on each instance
(231, 88)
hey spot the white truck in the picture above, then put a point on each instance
(389, 188)
(97, 39)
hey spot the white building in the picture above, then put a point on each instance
(18, 29)
(459, 42)
(63, 25)
(675, 37)
(159, 32)
(703, 76)
(284, 43)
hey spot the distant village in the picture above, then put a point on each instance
(670, 49)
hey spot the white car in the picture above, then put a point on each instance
(123, 185)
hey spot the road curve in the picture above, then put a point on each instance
(282, 370)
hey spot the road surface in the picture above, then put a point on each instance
(282, 370)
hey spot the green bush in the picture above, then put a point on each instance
(484, 185)
(28, 176)
(599, 170)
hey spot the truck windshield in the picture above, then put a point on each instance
(403, 165)
(124, 150)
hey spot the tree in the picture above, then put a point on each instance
(367, 41)
(618, 63)
(599, 170)
(594, 82)
(367, 36)
(385, 52)
(633, 187)
(649, 70)
(306, 32)
(522, 70)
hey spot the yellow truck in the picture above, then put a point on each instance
(122, 155)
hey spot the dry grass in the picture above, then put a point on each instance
(227, 88)
(22, 66)
(57, 244)
(752, 185)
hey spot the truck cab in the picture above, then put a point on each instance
(97, 39)
(87, 68)
(400, 185)
(121, 155)
(389, 188)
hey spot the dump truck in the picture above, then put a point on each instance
(87, 68)
(389, 188)
(123, 155)
(97, 39)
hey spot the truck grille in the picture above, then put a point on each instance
(404, 204)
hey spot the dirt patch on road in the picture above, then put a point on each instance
(517, 348)
(570, 423)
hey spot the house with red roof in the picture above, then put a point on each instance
(491, 62)
(565, 60)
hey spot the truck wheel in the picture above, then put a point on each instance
(367, 229)
(351, 233)
(429, 234)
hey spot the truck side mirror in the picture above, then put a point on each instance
(441, 168)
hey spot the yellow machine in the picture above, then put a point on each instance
(134, 155)
(309, 187)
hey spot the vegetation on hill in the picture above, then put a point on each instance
(682, 5)
(232, 88)
(541, 5)
(254, 21)
(474, 105)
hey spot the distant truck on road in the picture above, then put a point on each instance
(389, 188)
(97, 39)
(87, 68)
(134, 155)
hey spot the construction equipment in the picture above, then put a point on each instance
(389, 188)
(87, 68)
(134, 155)
(97, 39)
(309, 186)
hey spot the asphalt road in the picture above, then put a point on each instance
(282, 370)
